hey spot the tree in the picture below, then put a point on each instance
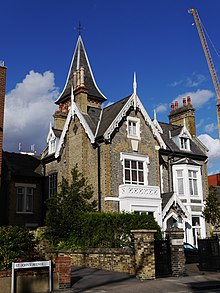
(65, 207)
(211, 211)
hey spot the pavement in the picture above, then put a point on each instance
(100, 281)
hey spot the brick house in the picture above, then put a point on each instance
(2, 106)
(134, 163)
(22, 202)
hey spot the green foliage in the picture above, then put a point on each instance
(109, 229)
(211, 211)
(67, 205)
(16, 244)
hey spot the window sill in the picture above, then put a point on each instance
(24, 213)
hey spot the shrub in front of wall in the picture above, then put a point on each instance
(16, 244)
(109, 229)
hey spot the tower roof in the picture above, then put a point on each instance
(80, 59)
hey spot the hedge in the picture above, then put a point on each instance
(99, 229)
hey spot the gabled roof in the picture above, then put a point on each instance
(80, 59)
(22, 165)
(109, 114)
(171, 145)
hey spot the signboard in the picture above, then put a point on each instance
(177, 241)
(30, 265)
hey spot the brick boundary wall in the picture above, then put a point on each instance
(63, 268)
(176, 237)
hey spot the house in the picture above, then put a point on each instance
(135, 164)
(2, 103)
(21, 200)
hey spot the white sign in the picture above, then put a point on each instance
(34, 264)
(30, 265)
(177, 241)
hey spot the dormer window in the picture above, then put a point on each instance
(184, 143)
(133, 127)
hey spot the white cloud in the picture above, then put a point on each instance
(28, 111)
(214, 151)
(198, 98)
(195, 81)
(211, 127)
(200, 123)
(161, 108)
(176, 83)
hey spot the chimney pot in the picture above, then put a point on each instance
(172, 106)
(184, 102)
(61, 107)
(176, 104)
(188, 100)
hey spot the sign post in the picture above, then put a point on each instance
(30, 265)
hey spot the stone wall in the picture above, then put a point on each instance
(118, 260)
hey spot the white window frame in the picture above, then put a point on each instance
(186, 168)
(185, 146)
(193, 183)
(25, 188)
(144, 160)
(135, 121)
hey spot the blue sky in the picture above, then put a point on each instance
(154, 38)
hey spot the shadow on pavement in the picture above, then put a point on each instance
(85, 279)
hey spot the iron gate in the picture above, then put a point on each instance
(209, 254)
(162, 253)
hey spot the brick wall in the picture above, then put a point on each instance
(2, 102)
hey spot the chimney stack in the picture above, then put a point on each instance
(185, 113)
(2, 107)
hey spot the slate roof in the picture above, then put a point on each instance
(22, 165)
(109, 114)
(167, 128)
(57, 132)
(80, 57)
(165, 198)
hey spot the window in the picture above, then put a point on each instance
(133, 127)
(180, 187)
(134, 172)
(52, 184)
(135, 169)
(193, 182)
(184, 143)
(25, 199)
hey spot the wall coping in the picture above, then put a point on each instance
(143, 231)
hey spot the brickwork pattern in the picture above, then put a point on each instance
(176, 236)
(2, 103)
(63, 268)
(144, 254)
(118, 260)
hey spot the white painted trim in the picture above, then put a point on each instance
(133, 157)
(63, 134)
(25, 185)
(74, 110)
(175, 199)
(111, 198)
(137, 123)
(123, 113)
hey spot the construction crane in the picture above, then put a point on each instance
(209, 61)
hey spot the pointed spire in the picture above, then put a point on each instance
(135, 91)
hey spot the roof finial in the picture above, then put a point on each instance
(135, 84)
(79, 28)
(135, 91)
(155, 114)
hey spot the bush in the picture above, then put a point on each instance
(16, 244)
(65, 207)
(109, 229)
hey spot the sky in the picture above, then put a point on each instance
(157, 39)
